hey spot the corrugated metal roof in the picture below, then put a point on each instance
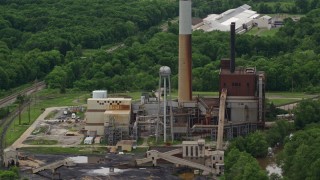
(239, 71)
(266, 17)
(240, 15)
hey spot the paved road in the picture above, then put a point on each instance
(288, 107)
(293, 105)
(110, 50)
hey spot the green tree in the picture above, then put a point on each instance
(11, 174)
(57, 78)
(307, 112)
(303, 5)
(254, 144)
(242, 166)
(4, 79)
(21, 99)
(278, 132)
(300, 156)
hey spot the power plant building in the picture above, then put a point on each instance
(105, 112)
(238, 110)
(240, 107)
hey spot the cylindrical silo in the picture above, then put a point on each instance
(99, 94)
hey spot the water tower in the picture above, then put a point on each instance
(164, 78)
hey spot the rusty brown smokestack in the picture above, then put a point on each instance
(232, 47)
(185, 61)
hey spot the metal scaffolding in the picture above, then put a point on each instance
(232, 131)
(112, 133)
(134, 132)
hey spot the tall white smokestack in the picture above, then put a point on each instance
(185, 61)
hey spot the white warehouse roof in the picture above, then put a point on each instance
(241, 15)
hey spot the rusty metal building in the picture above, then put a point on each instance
(245, 97)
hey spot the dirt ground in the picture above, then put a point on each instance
(55, 130)
(60, 129)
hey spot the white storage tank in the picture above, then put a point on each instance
(99, 94)
(143, 100)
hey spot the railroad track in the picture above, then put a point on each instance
(5, 124)
(7, 121)
(10, 99)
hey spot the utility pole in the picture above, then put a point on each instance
(29, 111)
(292, 85)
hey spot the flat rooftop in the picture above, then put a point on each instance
(239, 71)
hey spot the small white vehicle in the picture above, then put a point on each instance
(88, 140)
(73, 115)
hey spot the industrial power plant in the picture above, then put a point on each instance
(238, 110)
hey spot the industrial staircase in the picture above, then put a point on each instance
(153, 154)
(53, 166)
(202, 106)
(222, 108)
(149, 159)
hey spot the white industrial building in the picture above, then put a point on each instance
(263, 22)
(243, 16)
(103, 112)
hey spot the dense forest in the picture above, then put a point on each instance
(290, 60)
(35, 36)
(68, 44)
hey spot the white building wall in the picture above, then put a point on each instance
(263, 22)
(243, 111)
(97, 116)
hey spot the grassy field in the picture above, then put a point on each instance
(42, 100)
(41, 142)
(133, 95)
(283, 16)
(196, 93)
(67, 150)
(281, 98)
(152, 142)
(89, 52)
(140, 150)
(288, 95)
(270, 32)
(279, 102)
(253, 31)
(262, 32)
(174, 94)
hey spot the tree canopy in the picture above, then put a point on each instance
(35, 36)
(255, 144)
(80, 37)
(241, 165)
(301, 156)
(307, 112)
